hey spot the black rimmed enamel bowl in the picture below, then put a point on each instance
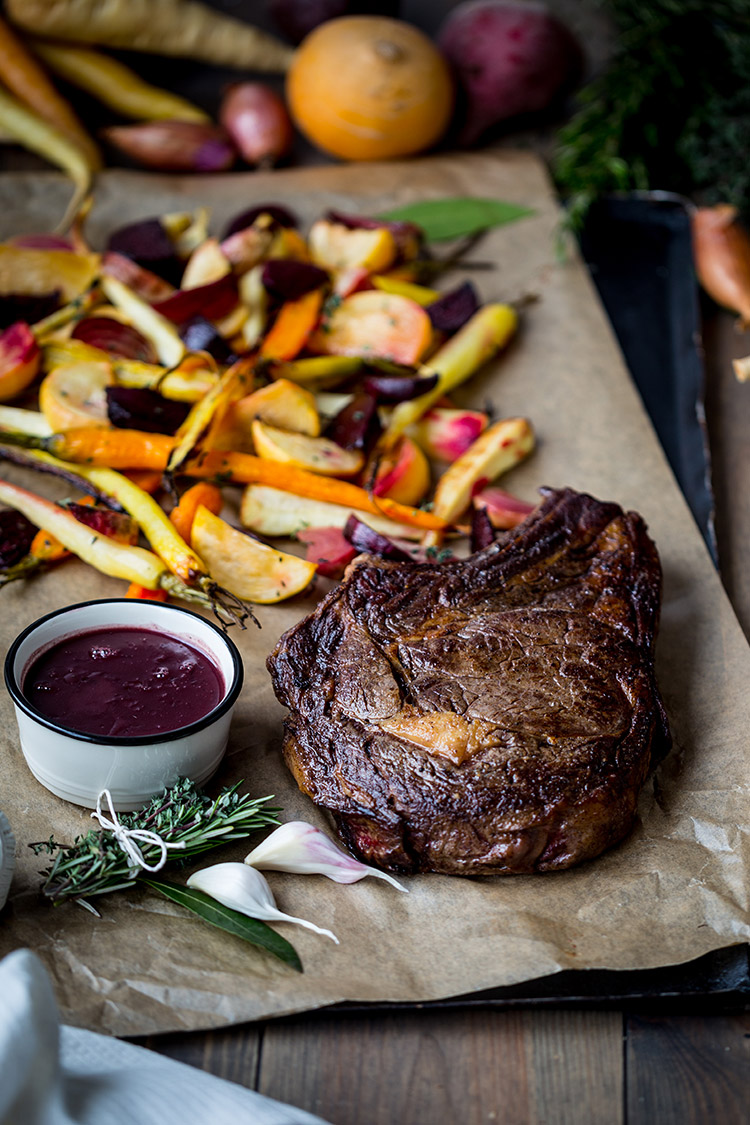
(76, 765)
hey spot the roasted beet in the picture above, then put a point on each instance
(199, 335)
(115, 337)
(134, 408)
(482, 531)
(213, 301)
(398, 388)
(16, 535)
(361, 536)
(356, 426)
(105, 521)
(280, 215)
(451, 311)
(147, 243)
(29, 307)
(288, 279)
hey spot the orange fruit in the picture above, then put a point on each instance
(369, 88)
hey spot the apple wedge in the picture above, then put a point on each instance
(372, 323)
(247, 568)
(207, 263)
(20, 360)
(403, 473)
(316, 454)
(336, 247)
(270, 511)
(282, 404)
(74, 395)
(499, 449)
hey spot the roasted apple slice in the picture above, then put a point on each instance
(499, 449)
(335, 247)
(247, 568)
(445, 433)
(75, 394)
(270, 511)
(403, 474)
(316, 454)
(372, 323)
(20, 359)
(207, 263)
(281, 404)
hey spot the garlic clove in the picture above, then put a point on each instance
(301, 849)
(244, 889)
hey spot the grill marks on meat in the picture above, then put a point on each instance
(492, 715)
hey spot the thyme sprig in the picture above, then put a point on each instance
(95, 864)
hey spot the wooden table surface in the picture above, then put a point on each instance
(617, 1065)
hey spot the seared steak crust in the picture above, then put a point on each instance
(492, 715)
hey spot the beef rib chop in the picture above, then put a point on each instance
(491, 715)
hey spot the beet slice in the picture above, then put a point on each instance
(356, 426)
(114, 337)
(212, 301)
(289, 280)
(362, 536)
(398, 388)
(451, 311)
(136, 408)
(16, 536)
(105, 521)
(282, 216)
(147, 243)
(29, 307)
(200, 335)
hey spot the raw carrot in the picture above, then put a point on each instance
(183, 514)
(184, 28)
(292, 327)
(24, 77)
(114, 84)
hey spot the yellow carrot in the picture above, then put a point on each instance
(29, 82)
(115, 84)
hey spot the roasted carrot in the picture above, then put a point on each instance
(132, 449)
(147, 479)
(293, 325)
(236, 381)
(183, 514)
(26, 78)
(135, 590)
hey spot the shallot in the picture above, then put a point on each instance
(721, 248)
(257, 120)
(242, 888)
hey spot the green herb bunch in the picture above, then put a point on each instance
(95, 864)
(672, 110)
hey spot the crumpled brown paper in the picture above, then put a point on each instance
(677, 888)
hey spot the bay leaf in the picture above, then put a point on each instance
(457, 216)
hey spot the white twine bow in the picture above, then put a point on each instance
(126, 837)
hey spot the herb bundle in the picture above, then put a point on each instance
(95, 864)
(672, 110)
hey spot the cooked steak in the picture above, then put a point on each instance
(491, 715)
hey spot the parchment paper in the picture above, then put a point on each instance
(677, 888)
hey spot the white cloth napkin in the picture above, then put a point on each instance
(52, 1075)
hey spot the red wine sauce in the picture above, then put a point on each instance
(123, 682)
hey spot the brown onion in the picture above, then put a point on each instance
(174, 146)
(721, 248)
(257, 120)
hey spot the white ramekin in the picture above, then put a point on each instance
(76, 766)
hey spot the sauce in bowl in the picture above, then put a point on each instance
(123, 682)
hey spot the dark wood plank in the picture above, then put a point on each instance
(231, 1053)
(518, 1068)
(688, 1070)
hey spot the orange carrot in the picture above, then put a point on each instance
(244, 468)
(27, 79)
(146, 595)
(115, 449)
(147, 479)
(292, 327)
(183, 514)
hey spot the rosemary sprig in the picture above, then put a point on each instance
(95, 864)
